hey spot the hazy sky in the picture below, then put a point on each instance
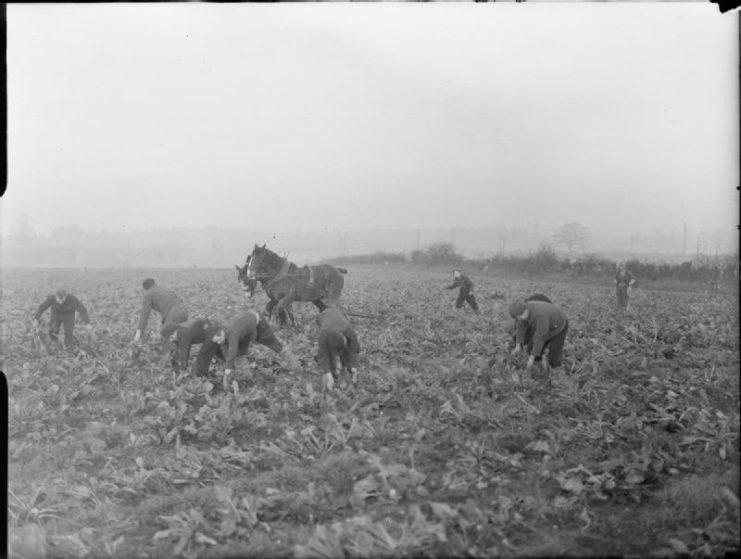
(285, 117)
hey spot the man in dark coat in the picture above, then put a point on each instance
(165, 302)
(337, 338)
(518, 324)
(624, 281)
(542, 327)
(465, 294)
(186, 335)
(240, 331)
(63, 305)
(209, 351)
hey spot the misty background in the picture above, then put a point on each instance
(181, 134)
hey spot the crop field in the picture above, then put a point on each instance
(446, 446)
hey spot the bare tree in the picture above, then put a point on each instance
(572, 235)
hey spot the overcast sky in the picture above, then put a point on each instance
(312, 117)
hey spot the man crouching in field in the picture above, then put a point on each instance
(542, 327)
(185, 336)
(240, 331)
(337, 338)
(522, 324)
(63, 305)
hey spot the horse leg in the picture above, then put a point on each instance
(282, 316)
(319, 304)
(269, 308)
(284, 307)
(292, 318)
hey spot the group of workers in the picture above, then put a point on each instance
(336, 340)
(539, 326)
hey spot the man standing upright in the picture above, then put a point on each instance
(465, 294)
(165, 302)
(624, 281)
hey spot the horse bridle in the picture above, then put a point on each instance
(268, 277)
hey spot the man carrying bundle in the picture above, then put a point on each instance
(542, 327)
(624, 281)
(337, 338)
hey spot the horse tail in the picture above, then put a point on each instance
(342, 270)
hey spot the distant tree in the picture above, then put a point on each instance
(543, 260)
(418, 256)
(443, 253)
(572, 235)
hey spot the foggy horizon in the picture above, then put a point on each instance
(291, 118)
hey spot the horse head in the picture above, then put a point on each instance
(263, 263)
(249, 285)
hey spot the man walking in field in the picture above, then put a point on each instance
(63, 305)
(624, 281)
(240, 331)
(542, 327)
(165, 302)
(465, 294)
(337, 338)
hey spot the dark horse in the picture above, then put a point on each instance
(249, 286)
(285, 282)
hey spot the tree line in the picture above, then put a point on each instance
(545, 260)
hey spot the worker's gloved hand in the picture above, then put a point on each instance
(517, 349)
(137, 336)
(530, 361)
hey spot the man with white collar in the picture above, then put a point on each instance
(240, 331)
(542, 327)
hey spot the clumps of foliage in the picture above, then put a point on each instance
(445, 447)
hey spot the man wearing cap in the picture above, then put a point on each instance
(337, 338)
(165, 302)
(63, 305)
(465, 294)
(542, 327)
(240, 331)
(624, 281)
